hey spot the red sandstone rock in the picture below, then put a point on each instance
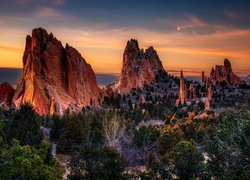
(182, 94)
(142, 99)
(138, 67)
(54, 78)
(225, 73)
(107, 91)
(209, 95)
(203, 77)
(6, 95)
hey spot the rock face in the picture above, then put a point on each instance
(225, 73)
(209, 95)
(183, 91)
(55, 78)
(203, 77)
(6, 95)
(138, 67)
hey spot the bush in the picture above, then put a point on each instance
(97, 163)
(24, 126)
(186, 160)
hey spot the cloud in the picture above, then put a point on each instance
(24, 1)
(49, 12)
(231, 14)
(196, 26)
(10, 48)
(55, 2)
(58, 2)
(193, 22)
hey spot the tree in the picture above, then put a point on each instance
(72, 133)
(169, 138)
(24, 126)
(97, 163)
(145, 140)
(26, 162)
(186, 159)
(2, 133)
(57, 128)
(114, 131)
(156, 167)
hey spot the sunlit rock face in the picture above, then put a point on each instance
(138, 67)
(55, 78)
(182, 91)
(6, 95)
(209, 95)
(225, 73)
(203, 77)
(182, 94)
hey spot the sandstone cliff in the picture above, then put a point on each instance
(225, 73)
(55, 78)
(138, 67)
(6, 95)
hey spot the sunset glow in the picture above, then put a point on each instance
(184, 39)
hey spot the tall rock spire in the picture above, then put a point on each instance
(183, 91)
(138, 67)
(203, 77)
(209, 95)
(54, 78)
(182, 95)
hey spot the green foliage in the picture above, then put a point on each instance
(169, 138)
(2, 133)
(25, 162)
(97, 163)
(146, 136)
(186, 159)
(229, 147)
(72, 133)
(24, 126)
(156, 167)
(57, 128)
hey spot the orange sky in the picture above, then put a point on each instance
(189, 35)
(104, 49)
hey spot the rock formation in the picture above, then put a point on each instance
(192, 92)
(209, 94)
(55, 78)
(138, 67)
(183, 91)
(142, 99)
(203, 77)
(6, 95)
(225, 73)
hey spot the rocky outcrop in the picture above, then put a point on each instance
(183, 91)
(191, 92)
(225, 73)
(142, 99)
(138, 68)
(6, 95)
(55, 78)
(203, 77)
(209, 95)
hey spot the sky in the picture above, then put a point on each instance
(191, 35)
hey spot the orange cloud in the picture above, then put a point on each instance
(103, 49)
(48, 12)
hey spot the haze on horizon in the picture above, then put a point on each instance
(190, 35)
